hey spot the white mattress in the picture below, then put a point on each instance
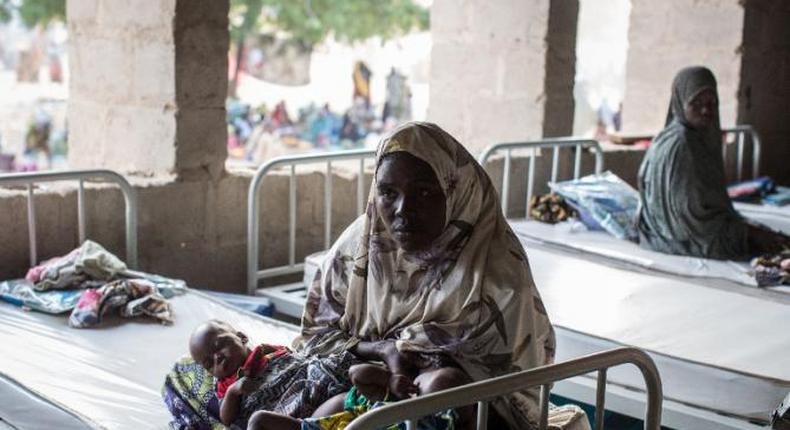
(722, 348)
(718, 349)
(112, 376)
(573, 236)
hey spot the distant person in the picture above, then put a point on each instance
(685, 207)
(361, 78)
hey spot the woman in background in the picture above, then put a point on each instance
(685, 207)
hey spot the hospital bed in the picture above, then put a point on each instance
(714, 340)
(575, 238)
(54, 376)
(717, 344)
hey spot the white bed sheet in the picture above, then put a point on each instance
(112, 376)
(573, 236)
(718, 349)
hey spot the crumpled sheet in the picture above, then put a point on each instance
(772, 270)
(90, 281)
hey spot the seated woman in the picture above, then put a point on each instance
(685, 209)
(431, 282)
(432, 272)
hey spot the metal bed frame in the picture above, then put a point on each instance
(556, 144)
(81, 176)
(483, 392)
(280, 295)
(741, 133)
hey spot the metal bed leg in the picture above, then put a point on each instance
(544, 406)
(482, 415)
(600, 399)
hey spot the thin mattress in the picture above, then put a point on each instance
(110, 377)
(719, 349)
(573, 237)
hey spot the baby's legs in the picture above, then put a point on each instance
(331, 406)
(264, 420)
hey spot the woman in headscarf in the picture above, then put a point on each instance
(685, 209)
(432, 272)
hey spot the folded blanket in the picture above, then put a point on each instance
(132, 297)
(90, 265)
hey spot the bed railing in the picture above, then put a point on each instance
(743, 133)
(555, 144)
(81, 176)
(254, 208)
(484, 391)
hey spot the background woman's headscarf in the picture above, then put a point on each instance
(685, 207)
(470, 297)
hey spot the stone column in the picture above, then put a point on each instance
(148, 85)
(489, 69)
(665, 36)
(764, 96)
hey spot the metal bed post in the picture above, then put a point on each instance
(740, 132)
(534, 146)
(81, 176)
(483, 391)
(255, 204)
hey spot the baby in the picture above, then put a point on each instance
(224, 353)
(373, 385)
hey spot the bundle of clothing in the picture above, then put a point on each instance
(773, 269)
(89, 282)
(550, 208)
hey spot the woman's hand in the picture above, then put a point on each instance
(399, 362)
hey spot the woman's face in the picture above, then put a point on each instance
(410, 200)
(701, 109)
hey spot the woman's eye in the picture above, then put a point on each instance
(387, 193)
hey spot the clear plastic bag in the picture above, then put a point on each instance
(604, 201)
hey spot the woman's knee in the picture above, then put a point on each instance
(442, 379)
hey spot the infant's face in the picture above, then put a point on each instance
(219, 350)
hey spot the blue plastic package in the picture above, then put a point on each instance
(604, 201)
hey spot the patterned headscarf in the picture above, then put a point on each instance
(470, 296)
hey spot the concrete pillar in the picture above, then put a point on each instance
(764, 97)
(665, 36)
(148, 83)
(490, 68)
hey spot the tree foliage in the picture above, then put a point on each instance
(311, 21)
(34, 12)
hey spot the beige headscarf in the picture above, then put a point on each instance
(471, 297)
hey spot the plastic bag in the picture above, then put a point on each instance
(603, 201)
